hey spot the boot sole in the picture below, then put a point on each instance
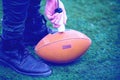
(45, 74)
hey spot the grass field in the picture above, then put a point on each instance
(100, 20)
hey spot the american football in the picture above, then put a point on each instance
(63, 47)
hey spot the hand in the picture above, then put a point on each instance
(55, 18)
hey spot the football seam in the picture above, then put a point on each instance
(61, 40)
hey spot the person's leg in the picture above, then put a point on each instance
(35, 27)
(12, 50)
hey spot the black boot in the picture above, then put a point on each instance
(13, 54)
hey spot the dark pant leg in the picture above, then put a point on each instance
(14, 15)
(35, 25)
(34, 7)
(34, 19)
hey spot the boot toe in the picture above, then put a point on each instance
(31, 66)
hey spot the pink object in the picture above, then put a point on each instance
(56, 18)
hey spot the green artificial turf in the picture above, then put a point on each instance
(98, 19)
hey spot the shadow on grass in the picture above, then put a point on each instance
(63, 64)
